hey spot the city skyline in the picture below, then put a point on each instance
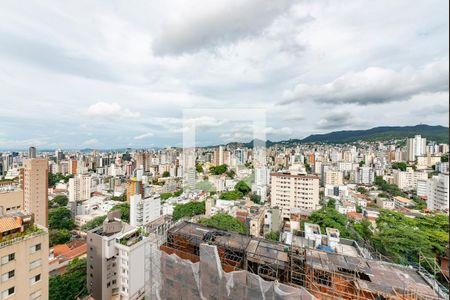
(114, 77)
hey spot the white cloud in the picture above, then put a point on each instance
(114, 69)
(375, 85)
(110, 110)
(90, 143)
(144, 136)
(206, 24)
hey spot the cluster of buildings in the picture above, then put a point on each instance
(289, 183)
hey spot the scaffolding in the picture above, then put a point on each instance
(325, 275)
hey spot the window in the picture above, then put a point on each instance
(35, 264)
(7, 258)
(35, 248)
(35, 279)
(35, 295)
(8, 275)
(8, 292)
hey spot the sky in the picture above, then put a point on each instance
(114, 74)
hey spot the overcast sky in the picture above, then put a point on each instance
(116, 74)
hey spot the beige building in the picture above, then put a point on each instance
(407, 180)
(427, 161)
(23, 258)
(334, 178)
(35, 185)
(294, 191)
(10, 201)
(80, 188)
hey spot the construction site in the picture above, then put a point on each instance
(272, 269)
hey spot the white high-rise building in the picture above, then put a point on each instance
(416, 146)
(144, 211)
(438, 196)
(290, 191)
(80, 188)
(364, 175)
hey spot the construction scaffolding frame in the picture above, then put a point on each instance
(325, 275)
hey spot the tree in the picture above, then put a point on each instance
(225, 222)
(166, 174)
(255, 198)
(124, 210)
(218, 170)
(363, 229)
(400, 237)
(273, 236)
(60, 218)
(242, 187)
(165, 196)
(199, 168)
(121, 198)
(97, 221)
(331, 203)
(53, 179)
(231, 195)
(444, 158)
(59, 236)
(330, 217)
(61, 200)
(399, 166)
(361, 190)
(308, 167)
(231, 173)
(71, 284)
(361, 163)
(188, 210)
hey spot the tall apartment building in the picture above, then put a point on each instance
(35, 189)
(115, 260)
(364, 175)
(416, 146)
(135, 187)
(80, 188)
(144, 211)
(438, 194)
(407, 180)
(290, 190)
(32, 152)
(332, 177)
(23, 258)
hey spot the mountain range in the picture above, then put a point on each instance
(439, 134)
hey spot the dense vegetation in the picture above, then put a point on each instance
(124, 210)
(165, 196)
(435, 133)
(399, 166)
(398, 237)
(97, 221)
(58, 236)
(188, 210)
(166, 174)
(60, 218)
(53, 179)
(121, 198)
(231, 195)
(225, 222)
(71, 284)
(273, 235)
(218, 170)
(391, 189)
(242, 187)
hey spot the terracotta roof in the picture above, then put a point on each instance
(8, 223)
